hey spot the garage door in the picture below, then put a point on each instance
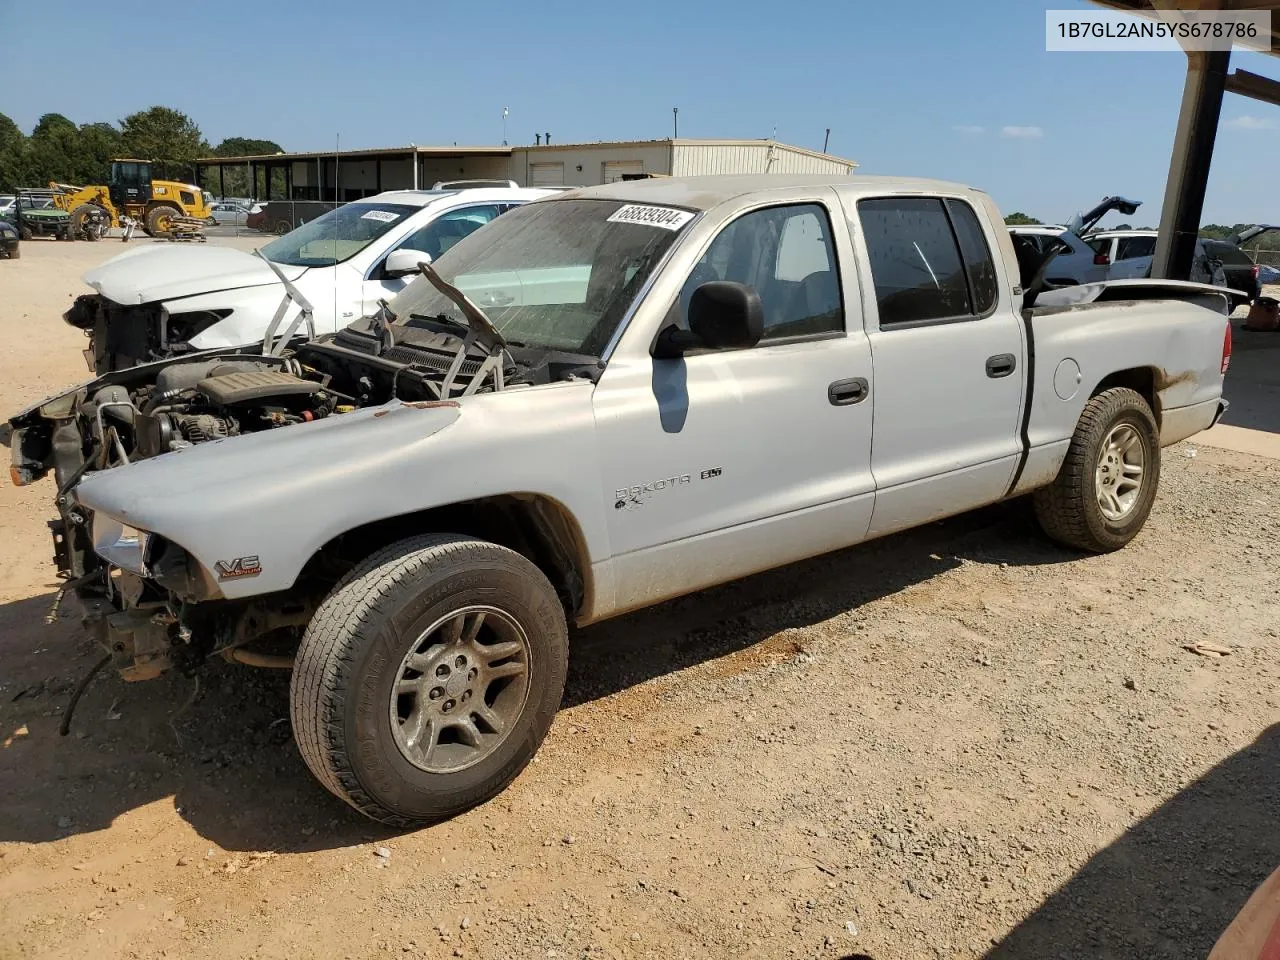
(614, 169)
(546, 174)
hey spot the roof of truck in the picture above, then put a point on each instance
(702, 193)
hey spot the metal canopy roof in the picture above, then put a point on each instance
(1146, 8)
(1243, 82)
(1197, 130)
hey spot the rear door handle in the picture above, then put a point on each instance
(842, 393)
(1001, 365)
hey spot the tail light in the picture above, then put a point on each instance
(1101, 260)
(1226, 349)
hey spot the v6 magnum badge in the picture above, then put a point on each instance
(237, 568)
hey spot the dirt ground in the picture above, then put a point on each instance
(958, 742)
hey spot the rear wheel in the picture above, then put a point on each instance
(282, 227)
(1104, 491)
(15, 251)
(429, 677)
(160, 220)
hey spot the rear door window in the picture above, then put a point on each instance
(917, 266)
(1130, 248)
(977, 255)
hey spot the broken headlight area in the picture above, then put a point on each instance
(122, 336)
(121, 545)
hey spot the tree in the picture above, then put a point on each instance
(246, 147)
(1020, 219)
(53, 125)
(163, 134)
(53, 150)
(13, 160)
(99, 144)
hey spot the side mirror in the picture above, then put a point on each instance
(723, 315)
(403, 262)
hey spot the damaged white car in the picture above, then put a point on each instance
(154, 302)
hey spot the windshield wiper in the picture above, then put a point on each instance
(480, 332)
(441, 318)
(482, 329)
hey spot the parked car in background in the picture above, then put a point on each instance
(10, 241)
(1132, 251)
(256, 217)
(603, 400)
(1076, 262)
(1240, 264)
(157, 301)
(230, 213)
(7, 200)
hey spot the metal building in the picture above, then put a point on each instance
(587, 164)
(352, 174)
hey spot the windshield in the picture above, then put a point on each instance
(337, 235)
(556, 275)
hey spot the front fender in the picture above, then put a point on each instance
(279, 495)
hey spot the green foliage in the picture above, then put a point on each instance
(1020, 219)
(167, 137)
(246, 147)
(60, 151)
(1217, 231)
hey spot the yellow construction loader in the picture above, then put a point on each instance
(160, 207)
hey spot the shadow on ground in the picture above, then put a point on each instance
(1173, 882)
(225, 757)
(1253, 382)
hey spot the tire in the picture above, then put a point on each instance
(158, 220)
(81, 228)
(24, 233)
(350, 728)
(281, 228)
(1071, 509)
(15, 252)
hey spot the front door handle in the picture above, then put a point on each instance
(1001, 365)
(844, 392)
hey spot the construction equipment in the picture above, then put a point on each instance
(131, 194)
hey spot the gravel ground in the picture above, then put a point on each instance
(957, 742)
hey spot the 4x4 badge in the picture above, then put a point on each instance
(239, 567)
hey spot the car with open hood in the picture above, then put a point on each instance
(162, 300)
(603, 400)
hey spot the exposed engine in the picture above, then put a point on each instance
(192, 403)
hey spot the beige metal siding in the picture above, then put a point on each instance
(584, 163)
(704, 159)
(546, 174)
(613, 170)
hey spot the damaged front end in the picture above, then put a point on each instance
(148, 603)
(123, 336)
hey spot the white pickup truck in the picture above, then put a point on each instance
(674, 383)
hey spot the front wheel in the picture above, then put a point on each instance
(428, 678)
(160, 220)
(1104, 491)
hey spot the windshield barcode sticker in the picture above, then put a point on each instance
(386, 216)
(663, 217)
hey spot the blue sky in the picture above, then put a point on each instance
(962, 91)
